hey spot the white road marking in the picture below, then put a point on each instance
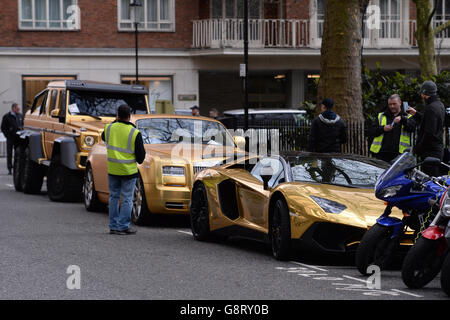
(411, 294)
(356, 279)
(308, 266)
(185, 232)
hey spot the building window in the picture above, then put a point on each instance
(49, 15)
(441, 16)
(32, 85)
(390, 18)
(234, 9)
(154, 15)
(159, 87)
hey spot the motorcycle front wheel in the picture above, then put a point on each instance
(422, 263)
(376, 248)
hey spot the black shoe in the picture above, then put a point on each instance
(9, 172)
(113, 231)
(126, 231)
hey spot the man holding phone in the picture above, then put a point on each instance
(392, 130)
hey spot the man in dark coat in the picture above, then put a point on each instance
(328, 130)
(11, 123)
(430, 141)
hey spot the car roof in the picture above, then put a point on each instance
(98, 86)
(263, 111)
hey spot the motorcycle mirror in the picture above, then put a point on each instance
(432, 160)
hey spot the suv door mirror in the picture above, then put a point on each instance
(55, 113)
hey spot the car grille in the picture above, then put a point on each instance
(198, 169)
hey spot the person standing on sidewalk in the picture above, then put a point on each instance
(11, 123)
(125, 148)
(328, 130)
(392, 131)
(430, 141)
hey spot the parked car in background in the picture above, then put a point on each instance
(234, 119)
(61, 127)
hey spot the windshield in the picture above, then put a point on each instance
(338, 171)
(174, 130)
(104, 103)
(406, 160)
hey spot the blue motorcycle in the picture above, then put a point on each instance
(416, 194)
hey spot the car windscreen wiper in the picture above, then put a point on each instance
(88, 114)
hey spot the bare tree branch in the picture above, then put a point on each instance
(441, 28)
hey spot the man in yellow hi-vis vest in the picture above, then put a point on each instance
(392, 131)
(124, 148)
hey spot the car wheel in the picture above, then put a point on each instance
(376, 248)
(63, 184)
(33, 174)
(91, 201)
(445, 275)
(18, 168)
(422, 263)
(199, 213)
(280, 231)
(140, 214)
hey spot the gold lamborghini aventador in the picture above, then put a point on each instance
(177, 147)
(314, 201)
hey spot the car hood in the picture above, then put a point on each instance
(193, 152)
(95, 125)
(362, 207)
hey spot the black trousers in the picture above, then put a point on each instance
(10, 143)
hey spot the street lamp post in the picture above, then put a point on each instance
(135, 4)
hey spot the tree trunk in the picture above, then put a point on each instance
(340, 75)
(425, 39)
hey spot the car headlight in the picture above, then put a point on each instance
(89, 141)
(389, 191)
(173, 171)
(329, 206)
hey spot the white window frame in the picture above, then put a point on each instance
(47, 21)
(442, 37)
(144, 28)
(372, 39)
(261, 10)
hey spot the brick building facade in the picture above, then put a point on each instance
(190, 51)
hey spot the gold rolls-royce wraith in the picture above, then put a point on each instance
(177, 147)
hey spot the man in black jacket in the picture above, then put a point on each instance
(391, 132)
(328, 130)
(430, 141)
(11, 123)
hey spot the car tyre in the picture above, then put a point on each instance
(422, 263)
(199, 213)
(140, 214)
(376, 248)
(33, 174)
(90, 197)
(280, 231)
(63, 184)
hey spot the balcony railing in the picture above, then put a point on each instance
(290, 33)
(262, 33)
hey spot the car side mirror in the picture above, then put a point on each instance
(266, 174)
(239, 141)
